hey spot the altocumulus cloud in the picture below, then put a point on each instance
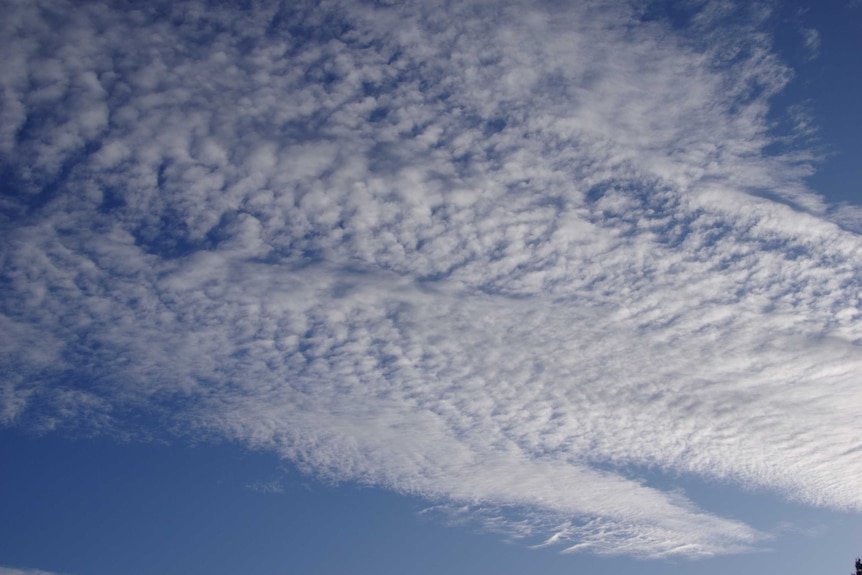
(486, 253)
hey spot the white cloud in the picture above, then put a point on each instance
(269, 487)
(487, 256)
(811, 39)
(13, 571)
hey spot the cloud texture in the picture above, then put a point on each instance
(486, 253)
(12, 571)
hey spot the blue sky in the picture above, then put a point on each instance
(464, 287)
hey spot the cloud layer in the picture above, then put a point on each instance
(488, 254)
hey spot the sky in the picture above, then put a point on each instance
(430, 287)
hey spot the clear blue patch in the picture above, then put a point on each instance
(100, 508)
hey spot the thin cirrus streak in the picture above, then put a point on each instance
(483, 254)
(13, 571)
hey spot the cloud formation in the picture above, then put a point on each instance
(490, 254)
(13, 571)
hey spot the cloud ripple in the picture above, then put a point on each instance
(487, 254)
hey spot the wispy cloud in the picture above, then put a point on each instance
(811, 38)
(13, 571)
(271, 486)
(491, 255)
